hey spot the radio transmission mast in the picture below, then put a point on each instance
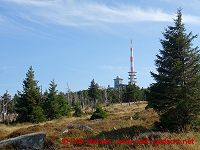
(132, 69)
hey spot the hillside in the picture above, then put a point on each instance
(123, 123)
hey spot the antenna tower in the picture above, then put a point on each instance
(132, 71)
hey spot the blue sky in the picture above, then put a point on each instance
(74, 41)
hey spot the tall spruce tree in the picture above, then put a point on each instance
(52, 105)
(175, 95)
(64, 107)
(28, 105)
(94, 93)
(55, 104)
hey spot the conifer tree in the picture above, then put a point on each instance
(94, 93)
(132, 93)
(64, 107)
(99, 113)
(28, 105)
(175, 95)
(14, 101)
(52, 105)
(113, 95)
(78, 112)
(55, 104)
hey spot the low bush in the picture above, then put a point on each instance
(99, 114)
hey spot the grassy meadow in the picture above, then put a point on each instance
(124, 122)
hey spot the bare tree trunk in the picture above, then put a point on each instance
(3, 117)
(82, 101)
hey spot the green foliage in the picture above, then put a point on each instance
(113, 95)
(196, 122)
(175, 95)
(78, 112)
(29, 100)
(14, 100)
(99, 114)
(51, 104)
(143, 93)
(55, 104)
(94, 92)
(64, 108)
(37, 115)
(132, 93)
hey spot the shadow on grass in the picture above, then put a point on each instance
(122, 133)
(114, 135)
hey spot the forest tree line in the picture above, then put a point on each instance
(33, 105)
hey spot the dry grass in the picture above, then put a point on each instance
(123, 122)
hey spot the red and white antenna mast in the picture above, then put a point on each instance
(132, 71)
